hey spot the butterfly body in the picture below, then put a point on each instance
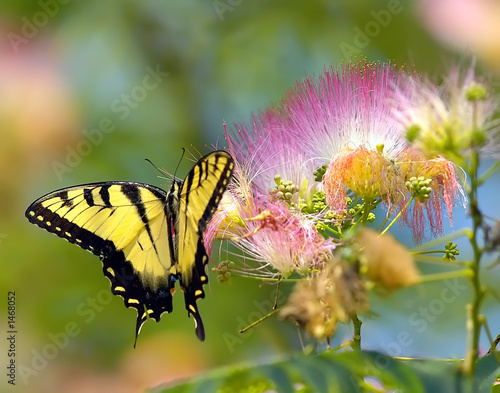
(146, 238)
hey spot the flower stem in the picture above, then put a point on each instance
(445, 275)
(389, 213)
(473, 322)
(356, 338)
(399, 215)
(444, 239)
(261, 319)
(439, 261)
(364, 218)
(429, 252)
(489, 172)
(269, 279)
(356, 322)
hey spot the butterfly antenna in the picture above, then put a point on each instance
(179, 163)
(154, 166)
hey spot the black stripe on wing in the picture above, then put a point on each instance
(54, 223)
(132, 192)
(212, 204)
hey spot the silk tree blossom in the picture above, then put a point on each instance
(468, 25)
(274, 241)
(344, 120)
(450, 119)
(446, 192)
(235, 205)
(386, 261)
(283, 242)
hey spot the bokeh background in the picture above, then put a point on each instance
(77, 106)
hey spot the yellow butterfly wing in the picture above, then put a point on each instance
(199, 197)
(126, 225)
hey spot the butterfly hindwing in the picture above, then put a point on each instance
(199, 197)
(146, 238)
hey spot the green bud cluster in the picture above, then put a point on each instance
(321, 227)
(284, 190)
(451, 251)
(420, 187)
(319, 202)
(319, 173)
(223, 271)
(330, 216)
(358, 211)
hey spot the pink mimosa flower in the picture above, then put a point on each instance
(278, 241)
(450, 119)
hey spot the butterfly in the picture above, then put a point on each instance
(146, 238)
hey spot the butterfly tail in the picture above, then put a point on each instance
(140, 321)
(159, 302)
(192, 309)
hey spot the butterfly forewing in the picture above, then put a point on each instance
(125, 224)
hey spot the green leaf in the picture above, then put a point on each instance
(279, 377)
(391, 372)
(437, 376)
(487, 371)
(356, 371)
(313, 376)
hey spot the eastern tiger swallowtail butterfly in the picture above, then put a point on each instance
(146, 238)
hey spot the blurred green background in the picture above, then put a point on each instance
(68, 68)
